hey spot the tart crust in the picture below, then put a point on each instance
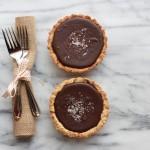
(71, 69)
(59, 126)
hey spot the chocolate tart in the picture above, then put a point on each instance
(77, 43)
(79, 107)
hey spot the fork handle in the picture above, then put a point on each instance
(17, 112)
(32, 101)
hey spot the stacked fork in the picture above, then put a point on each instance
(18, 49)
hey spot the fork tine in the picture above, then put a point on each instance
(16, 40)
(26, 40)
(19, 34)
(11, 45)
(12, 39)
(23, 34)
(20, 37)
(6, 41)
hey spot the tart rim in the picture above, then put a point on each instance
(59, 126)
(73, 69)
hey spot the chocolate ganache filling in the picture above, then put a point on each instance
(78, 106)
(78, 42)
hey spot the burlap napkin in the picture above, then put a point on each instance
(25, 126)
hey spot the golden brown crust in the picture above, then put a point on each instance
(91, 131)
(70, 69)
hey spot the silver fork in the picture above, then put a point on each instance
(18, 50)
(23, 40)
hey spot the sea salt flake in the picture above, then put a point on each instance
(66, 57)
(85, 53)
(78, 39)
(77, 109)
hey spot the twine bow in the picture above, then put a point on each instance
(22, 74)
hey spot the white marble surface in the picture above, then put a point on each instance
(124, 73)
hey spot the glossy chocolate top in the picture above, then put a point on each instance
(78, 42)
(78, 106)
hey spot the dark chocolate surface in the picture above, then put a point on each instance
(78, 106)
(78, 42)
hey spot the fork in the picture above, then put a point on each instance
(18, 49)
(23, 40)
